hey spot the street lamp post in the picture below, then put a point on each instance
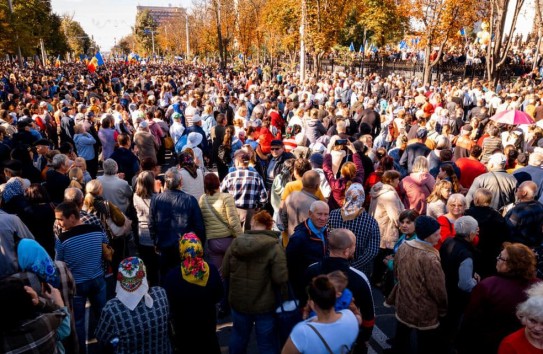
(152, 31)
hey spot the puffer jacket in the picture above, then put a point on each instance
(385, 207)
(223, 203)
(415, 189)
(420, 295)
(254, 264)
(313, 130)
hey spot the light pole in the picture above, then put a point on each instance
(302, 44)
(152, 31)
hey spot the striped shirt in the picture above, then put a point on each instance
(81, 249)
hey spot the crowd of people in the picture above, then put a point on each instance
(171, 195)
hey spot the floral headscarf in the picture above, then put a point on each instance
(354, 201)
(193, 267)
(32, 257)
(132, 283)
(186, 161)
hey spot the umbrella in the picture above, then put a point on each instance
(513, 117)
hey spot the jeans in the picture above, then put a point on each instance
(428, 341)
(264, 329)
(95, 291)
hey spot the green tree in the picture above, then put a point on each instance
(144, 30)
(78, 41)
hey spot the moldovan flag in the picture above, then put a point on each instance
(57, 62)
(99, 59)
(92, 65)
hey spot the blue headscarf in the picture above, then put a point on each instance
(12, 189)
(33, 258)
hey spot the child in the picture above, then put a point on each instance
(344, 297)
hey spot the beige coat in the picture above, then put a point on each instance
(420, 296)
(386, 207)
(223, 203)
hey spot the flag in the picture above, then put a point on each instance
(361, 49)
(99, 59)
(351, 47)
(374, 48)
(93, 64)
(403, 44)
(57, 62)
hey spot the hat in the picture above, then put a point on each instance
(196, 118)
(43, 104)
(176, 116)
(132, 283)
(43, 142)
(144, 125)
(425, 226)
(316, 159)
(194, 139)
(422, 133)
(497, 159)
(276, 142)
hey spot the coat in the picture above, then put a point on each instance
(500, 183)
(254, 264)
(420, 295)
(223, 203)
(385, 207)
(415, 189)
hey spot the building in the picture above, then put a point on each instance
(163, 13)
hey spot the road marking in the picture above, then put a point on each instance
(380, 338)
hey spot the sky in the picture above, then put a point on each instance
(108, 20)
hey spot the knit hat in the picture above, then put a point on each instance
(425, 226)
(132, 283)
(316, 159)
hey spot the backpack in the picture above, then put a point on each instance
(180, 143)
(224, 155)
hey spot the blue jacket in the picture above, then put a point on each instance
(172, 214)
(84, 144)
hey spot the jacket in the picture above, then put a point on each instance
(84, 144)
(525, 221)
(500, 183)
(174, 213)
(255, 263)
(385, 207)
(415, 189)
(314, 130)
(338, 185)
(223, 203)
(420, 296)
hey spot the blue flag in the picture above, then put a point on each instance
(351, 47)
(361, 49)
(99, 59)
(462, 31)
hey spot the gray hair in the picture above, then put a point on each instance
(465, 226)
(58, 161)
(110, 167)
(456, 197)
(535, 159)
(420, 164)
(173, 178)
(531, 308)
(73, 195)
(316, 204)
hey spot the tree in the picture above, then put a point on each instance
(385, 19)
(78, 40)
(280, 25)
(125, 45)
(496, 54)
(144, 30)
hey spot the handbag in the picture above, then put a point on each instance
(287, 315)
(218, 217)
(116, 228)
(107, 252)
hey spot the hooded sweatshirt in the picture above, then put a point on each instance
(385, 207)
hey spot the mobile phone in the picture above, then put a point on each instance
(341, 142)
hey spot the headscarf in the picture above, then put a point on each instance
(13, 188)
(32, 257)
(193, 267)
(186, 161)
(132, 283)
(354, 199)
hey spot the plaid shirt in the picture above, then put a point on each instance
(86, 218)
(247, 188)
(368, 237)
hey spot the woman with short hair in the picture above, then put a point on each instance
(456, 206)
(417, 187)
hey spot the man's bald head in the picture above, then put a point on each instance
(311, 180)
(341, 243)
(526, 191)
(74, 195)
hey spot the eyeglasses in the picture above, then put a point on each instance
(275, 149)
(500, 258)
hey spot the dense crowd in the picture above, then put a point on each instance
(170, 196)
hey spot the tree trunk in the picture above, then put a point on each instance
(427, 68)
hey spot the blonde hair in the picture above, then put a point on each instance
(76, 178)
(93, 189)
(436, 193)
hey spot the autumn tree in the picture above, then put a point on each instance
(144, 29)
(386, 20)
(280, 25)
(125, 45)
(79, 42)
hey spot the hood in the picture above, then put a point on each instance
(420, 178)
(254, 243)
(312, 122)
(380, 189)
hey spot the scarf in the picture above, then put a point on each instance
(132, 284)
(354, 199)
(13, 188)
(318, 232)
(193, 267)
(186, 161)
(32, 257)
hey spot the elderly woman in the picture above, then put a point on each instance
(456, 206)
(329, 331)
(417, 187)
(490, 314)
(353, 217)
(529, 339)
(193, 289)
(491, 231)
(120, 324)
(84, 144)
(193, 178)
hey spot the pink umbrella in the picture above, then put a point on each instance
(513, 117)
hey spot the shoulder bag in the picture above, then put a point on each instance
(115, 223)
(344, 349)
(218, 217)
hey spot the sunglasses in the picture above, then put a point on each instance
(275, 149)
